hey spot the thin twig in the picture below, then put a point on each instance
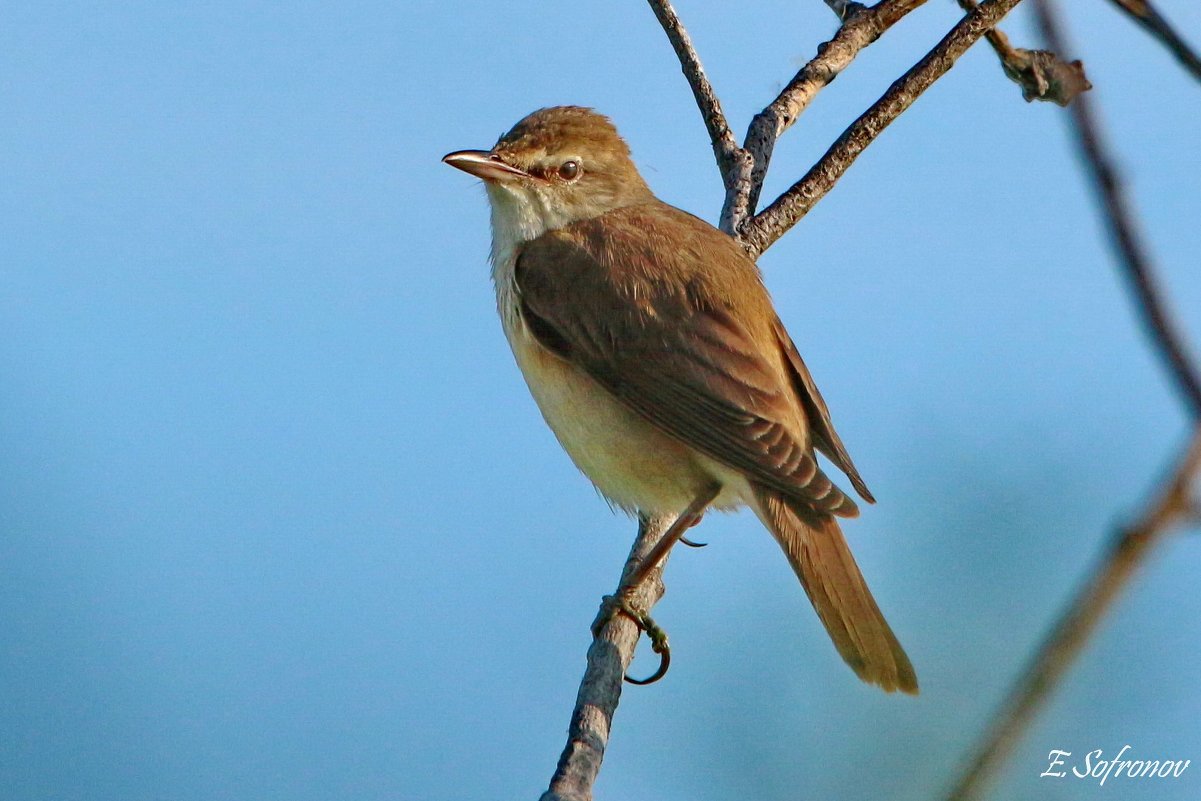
(1128, 549)
(1142, 12)
(860, 28)
(760, 232)
(1120, 220)
(608, 658)
(732, 161)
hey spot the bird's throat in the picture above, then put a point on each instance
(519, 214)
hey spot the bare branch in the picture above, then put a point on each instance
(731, 160)
(724, 144)
(737, 205)
(764, 229)
(861, 27)
(1123, 230)
(1128, 549)
(1142, 12)
(742, 172)
(608, 658)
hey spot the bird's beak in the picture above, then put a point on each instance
(483, 164)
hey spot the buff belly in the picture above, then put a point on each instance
(632, 463)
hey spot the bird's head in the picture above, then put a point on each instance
(557, 166)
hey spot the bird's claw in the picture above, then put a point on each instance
(613, 605)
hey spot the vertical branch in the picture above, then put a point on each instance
(724, 144)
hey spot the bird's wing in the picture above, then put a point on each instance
(821, 428)
(676, 351)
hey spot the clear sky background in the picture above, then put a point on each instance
(279, 521)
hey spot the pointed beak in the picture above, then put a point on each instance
(483, 164)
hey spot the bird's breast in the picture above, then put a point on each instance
(633, 464)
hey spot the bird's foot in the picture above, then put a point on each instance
(613, 605)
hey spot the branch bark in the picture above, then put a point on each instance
(764, 229)
(861, 27)
(609, 656)
(732, 161)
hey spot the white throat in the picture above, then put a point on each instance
(520, 213)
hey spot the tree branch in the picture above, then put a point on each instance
(742, 171)
(1130, 547)
(609, 656)
(860, 28)
(1142, 12)
(764, 229)
(1123, 231)
(732, 160)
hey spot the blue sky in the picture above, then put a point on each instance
(279, 520)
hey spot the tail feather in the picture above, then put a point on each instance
(822, 561)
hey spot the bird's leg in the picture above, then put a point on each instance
(687, 519)
(622, 601)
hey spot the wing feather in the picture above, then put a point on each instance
(658, 329)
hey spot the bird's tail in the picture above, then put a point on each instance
(819, 554)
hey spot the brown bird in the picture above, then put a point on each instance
(651, 346)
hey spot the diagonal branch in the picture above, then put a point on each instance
(861, 27)
(1130, 547)
(608, 658)
(764, 229)
(1142, 12)
(724, 144)
(1128, 550)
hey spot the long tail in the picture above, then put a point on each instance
(822, 561)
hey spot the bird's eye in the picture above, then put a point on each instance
(569, 170)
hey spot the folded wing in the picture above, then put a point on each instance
(676, 351)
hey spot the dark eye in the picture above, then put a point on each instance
(569, 170)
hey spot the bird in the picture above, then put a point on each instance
(652, 348)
